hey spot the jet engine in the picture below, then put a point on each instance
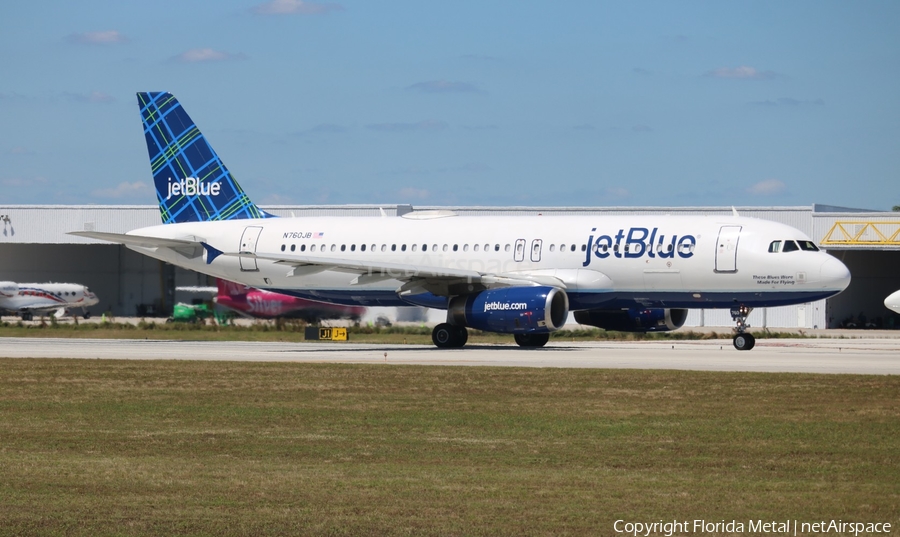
(511, 310)
(634, 319)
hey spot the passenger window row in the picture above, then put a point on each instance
(413, 248)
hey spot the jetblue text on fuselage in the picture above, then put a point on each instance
(639, 242)
(191, 186)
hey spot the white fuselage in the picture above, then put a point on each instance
(36, 297)
(601, 261)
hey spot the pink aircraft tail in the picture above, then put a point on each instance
(227, 288)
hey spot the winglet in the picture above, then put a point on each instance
(211, 252)
(734, 211)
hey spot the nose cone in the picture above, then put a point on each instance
(893, 302)
(834, 275)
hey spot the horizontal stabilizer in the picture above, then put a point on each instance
(136, 240)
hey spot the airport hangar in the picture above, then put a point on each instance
(35, 247)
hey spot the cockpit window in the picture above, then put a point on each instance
(808, 246)
(790, 246)
(775, 247)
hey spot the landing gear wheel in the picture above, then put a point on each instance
(532, 340)
(27, 316)
(87, 315)
(462, 335)
(744, 342)
(446, 336)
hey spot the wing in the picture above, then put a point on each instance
(441, 281)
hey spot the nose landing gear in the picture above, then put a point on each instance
(742, 340)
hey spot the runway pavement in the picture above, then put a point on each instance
(863, 356)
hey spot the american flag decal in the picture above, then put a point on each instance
(318, 235)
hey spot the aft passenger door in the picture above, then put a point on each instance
(726, 248)
(248, 246)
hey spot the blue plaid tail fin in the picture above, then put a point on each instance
(192, 183)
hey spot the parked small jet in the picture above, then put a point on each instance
(519, 275)
(892, 302)
(26, 299)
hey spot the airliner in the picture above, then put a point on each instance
(26, 299)
(518, 275)
(262, 304)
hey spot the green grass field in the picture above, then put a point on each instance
(199, 448)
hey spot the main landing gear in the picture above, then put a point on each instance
(742, 340)
(532, 340)
(447, 336)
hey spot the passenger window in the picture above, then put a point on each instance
(393, 247)
(302, 247)
(434, 247)
(496, 247)
(445, 247)
(465, 247)
(352, 247)
(343, 247)
(506, 248)
(774, 247)
(808, 246)
(572, 248)
(552, 247)
(415, 247)
(282, 247)
(455, 247)
(362, 247)
(383, 247)
(475, 248)
(312, 248)
(333, 247)
(790, 246)
(403, 248)
(293, 247)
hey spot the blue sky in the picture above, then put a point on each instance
(472, 103)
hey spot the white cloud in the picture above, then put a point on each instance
(444, 86)
(197, 55)
(742, 72)
(414, 193)
(92, 97)
(788, 101)
(767, 187)
(421, 126)
(292, 7)
(108, 37)
(136, 190)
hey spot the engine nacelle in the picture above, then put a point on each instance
(634, 319)
(512, 310)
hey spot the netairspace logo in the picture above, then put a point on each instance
(505, 306)
(783, 527)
